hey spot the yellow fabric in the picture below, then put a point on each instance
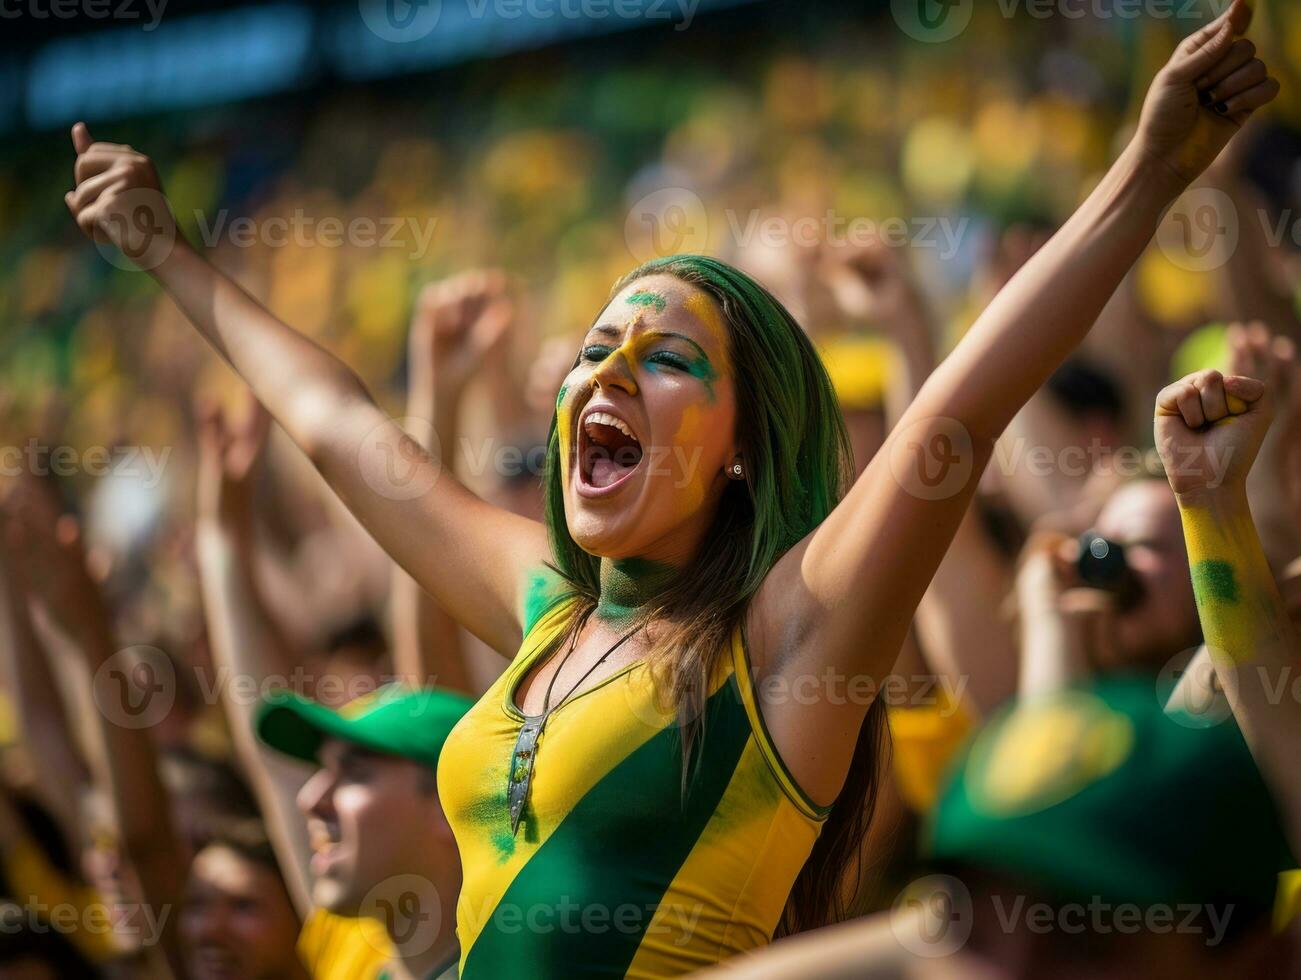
(32, 878)
(925, 740)
(722, 895)
(860, 368)
(335, 947)
(8, 720)
(1288, 907)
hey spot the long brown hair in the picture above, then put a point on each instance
(798, 466)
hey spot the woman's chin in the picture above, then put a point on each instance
(602, 542)
(604, 535)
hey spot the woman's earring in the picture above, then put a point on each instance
(736, 471)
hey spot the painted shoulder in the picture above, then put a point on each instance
(543, 588)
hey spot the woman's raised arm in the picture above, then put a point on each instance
(472, 557)
(840, 602)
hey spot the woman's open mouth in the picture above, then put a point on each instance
(608, 453)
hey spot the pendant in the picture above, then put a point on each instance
(521, 768)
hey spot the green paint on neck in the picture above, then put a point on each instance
(627, 584)
(1215, 581)
(643, 298)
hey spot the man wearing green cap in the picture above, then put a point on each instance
(381, 847)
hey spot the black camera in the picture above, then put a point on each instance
(1101, 565)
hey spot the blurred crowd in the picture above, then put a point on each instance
(513, 197)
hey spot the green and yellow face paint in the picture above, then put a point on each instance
(644, 343)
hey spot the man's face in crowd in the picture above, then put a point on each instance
(368, 815)
(238, 922)
(1144, 518)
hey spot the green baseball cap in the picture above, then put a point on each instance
(395, 719)
(1096, 792)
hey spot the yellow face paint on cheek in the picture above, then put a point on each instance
(703, 308)
(564, 430)
(690, 480)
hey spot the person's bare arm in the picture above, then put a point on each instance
(458, 327)
(1197, 690)
(128, 690)
(474, 558)
(1209, 429)
(246, 644)
(1253, 352)
(1247, 281)
(43, 730)
(960, 625)
(843, 598)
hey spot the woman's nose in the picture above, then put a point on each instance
(616, 371)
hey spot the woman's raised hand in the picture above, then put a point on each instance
(1204, 95)
(119, 199)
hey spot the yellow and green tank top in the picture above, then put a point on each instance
(615, 870)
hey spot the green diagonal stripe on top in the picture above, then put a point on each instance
(569, 911)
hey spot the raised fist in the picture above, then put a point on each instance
(1209, 428)
(119, 201)
(1204, 95)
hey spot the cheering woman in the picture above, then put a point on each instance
(680, 758)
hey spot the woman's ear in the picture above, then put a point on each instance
(736, 468)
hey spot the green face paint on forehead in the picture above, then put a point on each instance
(646, 298)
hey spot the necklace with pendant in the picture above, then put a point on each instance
(524, 758)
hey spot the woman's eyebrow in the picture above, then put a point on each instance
(609, 330)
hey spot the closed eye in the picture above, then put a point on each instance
(671, 359)
(596, 352)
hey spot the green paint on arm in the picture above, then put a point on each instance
(1215, 581)
(644, 298)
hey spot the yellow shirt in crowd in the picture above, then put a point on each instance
(335, 947)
